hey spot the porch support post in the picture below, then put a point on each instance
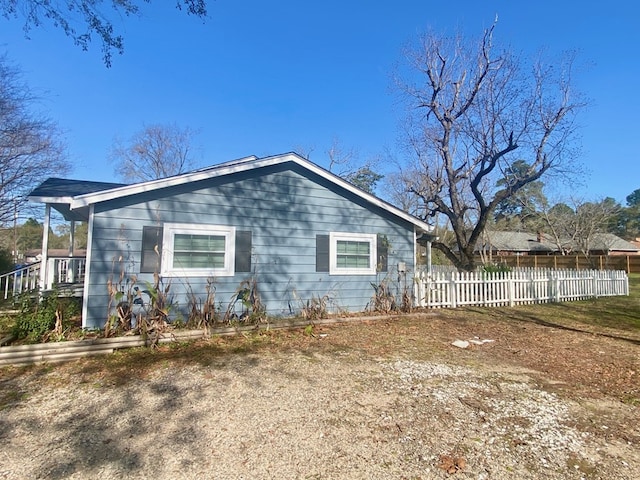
(72, 237)
(45, 247)
(85, 290)
(71, 263)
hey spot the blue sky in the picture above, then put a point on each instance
(261, 78)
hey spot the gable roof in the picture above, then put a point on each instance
(514, 241)
(611, 242)
(97, 192)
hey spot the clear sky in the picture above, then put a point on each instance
(268, 77)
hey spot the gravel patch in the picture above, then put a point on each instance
(304, 415)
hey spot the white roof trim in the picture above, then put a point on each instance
(219, 170)
(56, 200)
(242, 165)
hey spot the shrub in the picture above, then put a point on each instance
(6, 260)
(496, 268)
(48, 318)
(252, 308)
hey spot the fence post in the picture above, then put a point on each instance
(452, 289)
(626, 283)
(595, 284)
(420, 289)
(512, 288)
(426, 289)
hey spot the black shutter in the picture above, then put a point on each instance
(243, 251)
(151, 253)
(322, 253)
(382, 255)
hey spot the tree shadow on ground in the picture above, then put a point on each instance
(567, 311)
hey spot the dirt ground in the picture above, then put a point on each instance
(372, 399)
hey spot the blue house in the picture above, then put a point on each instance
(294, 228)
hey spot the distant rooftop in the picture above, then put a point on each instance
(529, 242)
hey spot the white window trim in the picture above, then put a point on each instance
(334, 237)
(171, 229)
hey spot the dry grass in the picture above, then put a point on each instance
(589, 346)
(372, 380)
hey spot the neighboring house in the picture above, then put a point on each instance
(522, 243)
(31, 256)
(297, 229)
(514, 243)
(610, 244)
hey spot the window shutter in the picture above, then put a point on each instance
(149, 257)
(322, 253)
(243, 251)
(382, 254)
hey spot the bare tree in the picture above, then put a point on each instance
(395, 189)
(579, 226)
(471, 108)
(156, 151)
(30, 145)
(344, 163)
(81, 19)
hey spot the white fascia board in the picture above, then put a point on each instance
(58, 200)
(106, 195)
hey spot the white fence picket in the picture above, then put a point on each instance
(449, 289)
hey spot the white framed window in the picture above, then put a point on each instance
(198, 250)
(352, 253)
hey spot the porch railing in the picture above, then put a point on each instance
(61, 271)
(64, 270)
(20, 280)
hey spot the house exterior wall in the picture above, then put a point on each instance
(283, 206)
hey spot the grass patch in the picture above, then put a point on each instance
(7, 322)
(10, 397)
(129, 365)
(590, 344)
(597, 315)
(631, 400)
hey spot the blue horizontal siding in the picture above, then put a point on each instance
(283, 208)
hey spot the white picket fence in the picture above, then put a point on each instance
(517, 287)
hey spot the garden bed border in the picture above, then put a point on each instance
(52, 352)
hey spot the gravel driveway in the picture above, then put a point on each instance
(325, 412)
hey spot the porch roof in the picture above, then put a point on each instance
(59, 192)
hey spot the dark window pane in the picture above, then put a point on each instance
(151, 253)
